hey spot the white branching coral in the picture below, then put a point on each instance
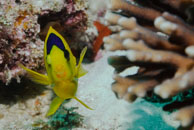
(159, 43)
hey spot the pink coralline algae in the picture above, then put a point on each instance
(24, 24)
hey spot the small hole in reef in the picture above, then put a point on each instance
(18, 1)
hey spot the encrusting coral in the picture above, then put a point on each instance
(160, 43)
(24, 24)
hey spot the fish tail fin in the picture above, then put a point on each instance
(57, 101)
(36, 77)
(82, 103)
(80, 70)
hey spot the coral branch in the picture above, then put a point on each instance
(185, 115)
(140, 89)
(138, 32)
(172, 87)
(175, 19)
(121, 92)
(175, 30)
(146, 13)
(190, 51)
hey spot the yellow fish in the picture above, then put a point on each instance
(62, 71)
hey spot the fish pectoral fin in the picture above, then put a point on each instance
(82, 55)
(57, 101)
(36, 77)
(80, 70)
(82, 103)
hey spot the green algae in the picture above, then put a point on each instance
(63, 119)
(148, 116)
(172, 104)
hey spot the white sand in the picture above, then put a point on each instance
(95, 90)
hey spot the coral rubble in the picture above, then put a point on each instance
(158, 38)
(24, 24)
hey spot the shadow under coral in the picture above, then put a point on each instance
(22, 91)
(183, 99)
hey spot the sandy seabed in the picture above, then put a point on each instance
(95, 90)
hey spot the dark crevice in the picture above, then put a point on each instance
(22, 91)
(18, 1)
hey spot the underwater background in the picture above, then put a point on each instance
(139, 64)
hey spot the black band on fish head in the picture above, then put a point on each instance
(55, 40)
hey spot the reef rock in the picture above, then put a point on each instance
(24, 25)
